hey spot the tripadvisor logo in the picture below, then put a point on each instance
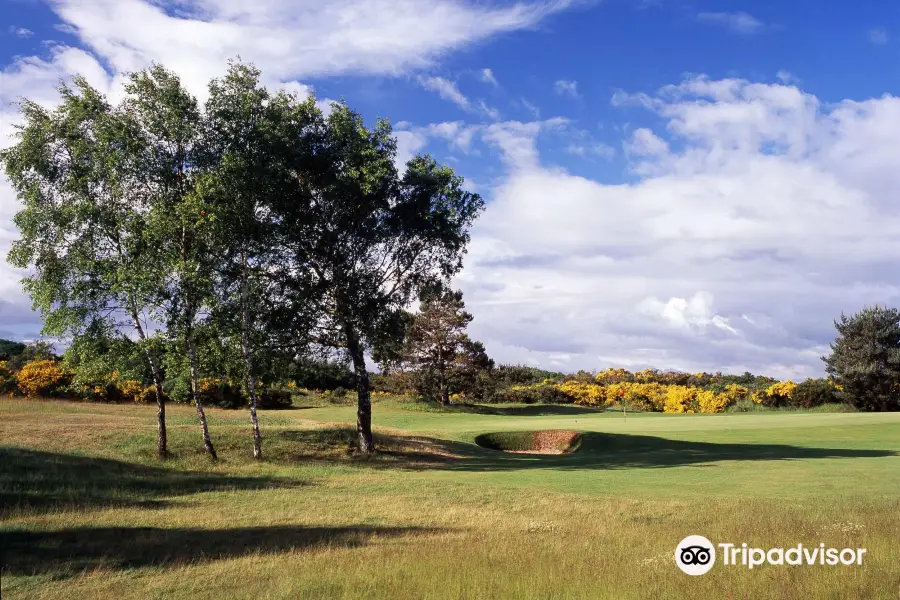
(696, 555)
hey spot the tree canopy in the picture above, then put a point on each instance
(865, 358)
(255, 222)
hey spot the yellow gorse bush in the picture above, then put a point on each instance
(783, 390)
(7, 379)
(641, 391)
(680, 399)
(41, 377)
(583, 393)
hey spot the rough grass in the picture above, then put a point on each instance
(87, 512)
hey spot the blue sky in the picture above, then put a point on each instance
(700, 185)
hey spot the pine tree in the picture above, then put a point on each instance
(865, 359)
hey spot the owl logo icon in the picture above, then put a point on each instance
(695, 555)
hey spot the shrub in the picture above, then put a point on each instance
(9, 348)
(219, 392)
(7, 379)
(747, 404)
(540, 393)
(613, 376)
(813, 392)
(641, 396)
(148, 396)
(589, 394)
(42, 378)
(778, 394)
(36, 351)
(681, 399)
(269, 399)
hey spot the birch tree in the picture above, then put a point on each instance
(374, 239)
(253, 143)
(178, 223)
(76, 169)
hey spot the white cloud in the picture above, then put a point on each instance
(517, 141)
(531, 108)
(787, 77)
(449, 91)
(758, 196)
(736, 22)
(591, 149)
(646, 143)
(564, 87)
(21, 32)
(487, 76)
(879, 36)
(687, 314)
(288, 40)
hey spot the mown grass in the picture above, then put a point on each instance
(86, 511)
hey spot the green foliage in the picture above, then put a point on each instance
(9, 348)
(812, 393)
(95, 355)
(530, 394)
(437, 356)
(271, 399)
(865, 359)
(320, 374)
(34, 351)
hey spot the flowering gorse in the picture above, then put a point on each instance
(41, 378)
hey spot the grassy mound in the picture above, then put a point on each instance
(549, 441)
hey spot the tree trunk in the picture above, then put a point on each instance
(195, 391)
(364, 399)
(161, 449)
(442, 384)
(248, 363)
(161, 440)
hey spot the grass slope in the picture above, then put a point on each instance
(86, 512)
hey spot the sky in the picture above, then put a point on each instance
(691, 185)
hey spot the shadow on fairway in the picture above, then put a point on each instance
(530, 410)
(623, 451)
(597, 451)
(69, 551)
(41, 481)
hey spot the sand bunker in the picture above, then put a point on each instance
(548, 441)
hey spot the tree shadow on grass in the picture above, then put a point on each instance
(69, 551)
(38, 481)
(625, 451)
(597, 451)
(529, 410)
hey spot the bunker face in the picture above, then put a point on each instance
(549, 441)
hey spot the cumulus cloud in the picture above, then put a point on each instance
(759, 215)
(21, 32)
(736, 22)
(682, 313)
(288, 41)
